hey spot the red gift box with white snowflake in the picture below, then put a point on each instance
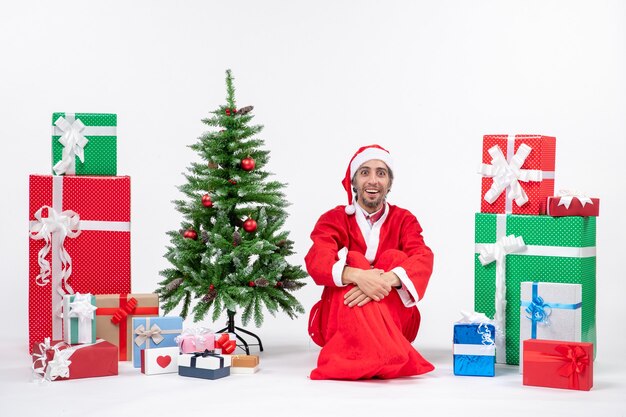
(571, 203)
(518, 173)
(79, 242)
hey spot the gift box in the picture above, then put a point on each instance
(511, 249)
(115, 314)
(84, 144)
(558, 364)
(196, 340)
(550, 311)
(202, 365)
(568, 204)
(474, 349)
(79, 242)
(159, 361)
(244, 364)
(518, 173)
(154, 332)
(57, 360)
(79, 321)
(225, 343)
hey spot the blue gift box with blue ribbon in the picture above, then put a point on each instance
(550, 311)
(474, 349)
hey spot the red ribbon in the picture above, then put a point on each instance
(228, 346)
(120, 315)
(575, 361)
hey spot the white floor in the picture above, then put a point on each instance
(282, 388)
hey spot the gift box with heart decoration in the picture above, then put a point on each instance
(159, 361)
(84, 144)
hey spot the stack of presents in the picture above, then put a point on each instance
(83, 318)
(534, 273)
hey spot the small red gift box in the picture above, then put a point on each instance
(572, 205)
(57, 360)
(518, 173)
(558, 364)
(79, 242)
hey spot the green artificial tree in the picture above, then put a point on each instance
(231, 254)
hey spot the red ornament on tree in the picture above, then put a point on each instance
(279, 284)
(230, 111)
(248, 164)
(249, 225)
(206, 201)
(211, 287)
(251, 284)
(232, 181)
(190, 234)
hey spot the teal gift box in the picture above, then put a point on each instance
(511, 249)
(153, 332)
(84, 144)
(79, 318)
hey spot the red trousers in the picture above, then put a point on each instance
(372, 341)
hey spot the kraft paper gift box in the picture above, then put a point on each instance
(154, 332)
(550, 311)
(511, 249)
(84, 144)
(518, 173)
(567, 204)
(558, 364)
(243, 364)
(79, 242)
(159, 361)
(79, 319)
(202, 365)
(57, 360)
(474, 349)
(114, 318)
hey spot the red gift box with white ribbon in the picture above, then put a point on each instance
(518, 173)
(572, 203)
(79, 242)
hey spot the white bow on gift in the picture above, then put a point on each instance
(82, 308)
(508, 175)
(497, 252)
(66, 224)
(73, 142)
(568, 195)
(144, 334)
(58, 367)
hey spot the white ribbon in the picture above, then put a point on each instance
(82, 309)
(59, 366)
(201, 338)
(568, 195)
(507, 174)
(73, 141)
(497, 253)
(64, 224)
(474, 350)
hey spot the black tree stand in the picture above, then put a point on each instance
(230, 328)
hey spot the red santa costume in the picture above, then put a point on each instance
(372, 341)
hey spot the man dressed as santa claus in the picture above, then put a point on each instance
(374, 265)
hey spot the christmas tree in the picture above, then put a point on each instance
(230, 254)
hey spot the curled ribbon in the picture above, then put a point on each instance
(123, 312)
(497, 253)
(568, 195)
(73, 142)
(508, 175)
(538, 311)
(143, 334)
(485, 333)
(58, 367)
(65, 224)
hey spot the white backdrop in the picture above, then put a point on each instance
(424, 79)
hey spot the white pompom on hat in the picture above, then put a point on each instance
(364, 154)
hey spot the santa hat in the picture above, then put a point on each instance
(364, 154)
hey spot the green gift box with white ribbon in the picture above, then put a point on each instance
(84, 144)
(79, 318)
(511, 249)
